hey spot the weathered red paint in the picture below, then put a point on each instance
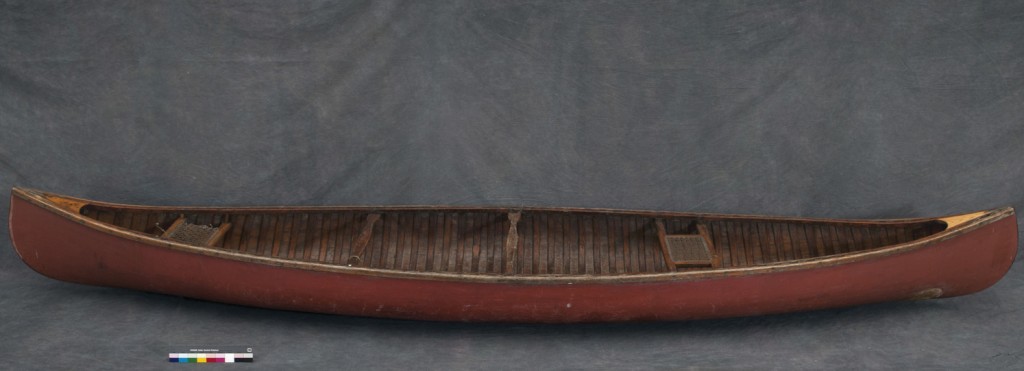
(65, 250)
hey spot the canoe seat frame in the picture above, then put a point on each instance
(694, 242)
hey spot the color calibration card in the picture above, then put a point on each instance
(229, 354)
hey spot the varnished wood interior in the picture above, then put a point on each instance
(546, 243)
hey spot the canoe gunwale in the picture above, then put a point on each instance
(41, 199)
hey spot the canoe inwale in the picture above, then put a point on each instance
(512, 246)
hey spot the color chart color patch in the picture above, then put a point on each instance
(209, 357)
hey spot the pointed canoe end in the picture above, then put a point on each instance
(22, 192)
(71, 204)
(953, 221)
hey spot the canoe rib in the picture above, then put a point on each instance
(101, 244)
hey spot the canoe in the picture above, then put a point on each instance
(509, 264)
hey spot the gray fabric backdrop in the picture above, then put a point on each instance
(822, 109)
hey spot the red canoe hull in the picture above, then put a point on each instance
(63, 249)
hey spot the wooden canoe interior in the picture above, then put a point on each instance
(542, 242)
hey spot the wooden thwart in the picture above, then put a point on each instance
(362, 240)
(512, 242)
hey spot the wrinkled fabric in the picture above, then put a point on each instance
(820, 109)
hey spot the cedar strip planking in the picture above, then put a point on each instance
(587, 241)
(557, 245)
(481, 246)
(393, 241)
(322, 237)
(295, 236)
(807, 239)
(267, 239)
(540, 256)
(378, 243)
(819, 241)
(750, 240)
(139, 222)
(446, 253)
(645, 228)
(792, 239)
(759, 235)
(303, 237)
(497, 243)
(826, 238)
(499, 233)
(741, 244)
(772, 235)
(847, 233)
(801, 239)
(837, 239)
(237, 227)
(422, 234)
(477, 238)
(627, 261)
(901, 234)
(720, 243)
(438, 263)
(568, 244)
(858, 237)
(652, 238)
(348, 223)
(151, 221)
(874, 237)
(253, 240)
(312, 241)
(284, 237)
(432, 226)
(768, 241)
(782, 239)
(423, 241)
(576, 230)
(601, 236)
(406, 232)
(608, 250)
(640, 224)
(105, 216)
(330, 237)
(337, 238)
(857, 242)
(891, 232)
(452, 243)
(615, 240)
(119, 218)
(462, 226)
(546, 244)
(883, 236)
(551, 243)
(521, 246)
(274, 246)
(632, 246)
